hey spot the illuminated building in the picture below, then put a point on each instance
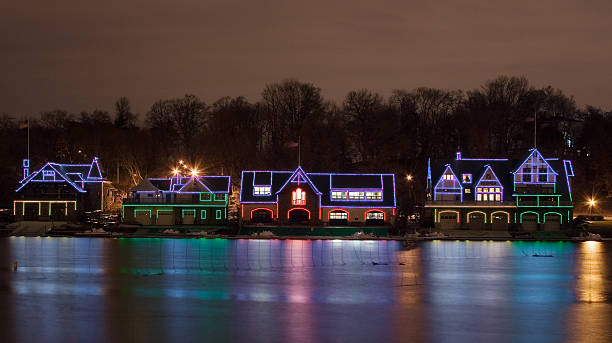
(59, 191)
(531, 193)
(283, 197)
(178, 200)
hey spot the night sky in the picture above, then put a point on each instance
(83, 55)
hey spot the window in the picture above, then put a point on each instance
(467, 190)
(261, 190)
(355, 195)
(448, 177)
(339, 195)
(373, 195)
(203, 214)
(375, 215)
(467, 178)
(298, 197)
(204, 196)
(338, 215)
(542, 178)
(488, 194)
(48, 175)
(218, 214)
(220, 197)
(526, 177)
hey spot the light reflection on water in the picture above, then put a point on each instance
(82, 289)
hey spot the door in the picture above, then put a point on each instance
(529, 222)
(375, 218)
(143, 217)
(165, 218)
(552, 222)
(58, 211)
(298, 216)
(262, 215)
(448, 220)
(338, 218)
(499, 221)
(477, 220)
(188, 217)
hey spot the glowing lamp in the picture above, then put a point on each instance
(592, 202)
(194, 172)
(175, 171)
(181, 162)
(409, 177)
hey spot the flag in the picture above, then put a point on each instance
(293, 144)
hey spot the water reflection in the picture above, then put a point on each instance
(80, 289)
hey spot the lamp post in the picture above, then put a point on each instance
(591, 203)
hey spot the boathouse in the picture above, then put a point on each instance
(297, 197)
(532, 193)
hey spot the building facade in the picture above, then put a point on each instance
(179, 200)
(530, 194)
(59, 191)
(297, 197)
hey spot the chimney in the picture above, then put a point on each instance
(26, 168)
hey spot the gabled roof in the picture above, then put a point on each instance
(299, 175)
(144, 186)
(534, 151)
(208, 183)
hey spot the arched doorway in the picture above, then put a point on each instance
(552, 221)
(448, 219)
(261, 215)
(499, 221)
(375, 218)
(476, 220)
(298, 216)
(338, 217)
(529, 221)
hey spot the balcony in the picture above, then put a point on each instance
(163, 201)
(469, 203)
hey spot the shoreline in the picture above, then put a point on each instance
(343, 238)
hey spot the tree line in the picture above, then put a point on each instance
(366, 132)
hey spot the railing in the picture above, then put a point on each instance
(160, 200)
(469, 203)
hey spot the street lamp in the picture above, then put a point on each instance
(592, 202)
(409, 177)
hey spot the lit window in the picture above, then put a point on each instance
(497, 197)
(338, 215)
(298, 197)
(479, 197)
(261, 190)
(467, 190)
(48, 174)
(373, 195)
(375, 215)
(338, 195)
(497, 190)
(355, 195)
(448, 177)
(467, 178)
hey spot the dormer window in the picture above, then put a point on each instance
(48, 175)
(298, 197)
(467, 178)
(262, 190)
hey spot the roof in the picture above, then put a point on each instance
(323, 183)
(503, 169)
(76, 175)
(201, 183)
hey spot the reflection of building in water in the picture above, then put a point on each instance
(590, 286)
(589, 319)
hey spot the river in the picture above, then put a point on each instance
(187, 290)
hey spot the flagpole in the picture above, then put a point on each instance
(28, 123)
(535, 129)
(299, 150)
